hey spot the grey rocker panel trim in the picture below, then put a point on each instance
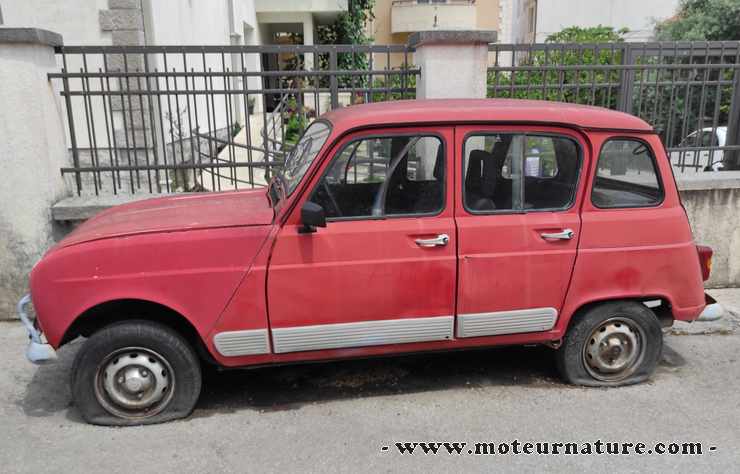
(506, 322)
(241, 343)
(361, 334)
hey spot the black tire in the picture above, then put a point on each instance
(135, 342)
(581, 363)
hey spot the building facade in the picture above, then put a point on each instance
(395, 20)
(532, 21)
(175, 22)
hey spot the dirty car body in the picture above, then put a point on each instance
(394, 228)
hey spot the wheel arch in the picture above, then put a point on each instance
(114, 311)
(662, 310)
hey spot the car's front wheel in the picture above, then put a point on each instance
(612, 344)
(135, 372)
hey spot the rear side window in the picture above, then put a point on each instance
(626, 175)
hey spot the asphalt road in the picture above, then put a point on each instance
(338, 417)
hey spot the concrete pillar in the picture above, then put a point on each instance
(32, 150)
(308, 27)
(453, 63)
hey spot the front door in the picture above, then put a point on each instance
(383, 270)
(518, 221)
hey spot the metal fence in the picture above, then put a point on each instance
(688, 91)
(160, 119)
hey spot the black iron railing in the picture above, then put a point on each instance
(160, 119)
(688, 91)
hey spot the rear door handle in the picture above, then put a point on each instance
(566, 234)
(440, 240)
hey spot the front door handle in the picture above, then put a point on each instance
(440, 240)
(566, 234)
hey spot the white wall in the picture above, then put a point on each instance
(31, 152)
(554, 15)
(637, 15)
(81, 27)
(206, 22)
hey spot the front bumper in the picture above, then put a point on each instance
(712, 311)
(38, 351)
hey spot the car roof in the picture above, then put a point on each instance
(404, 112)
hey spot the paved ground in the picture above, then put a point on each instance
(337, 417)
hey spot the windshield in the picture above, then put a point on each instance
(303, 154)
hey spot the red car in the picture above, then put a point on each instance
(393, 228)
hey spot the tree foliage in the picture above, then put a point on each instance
(348, 28)
(538, 74)
(702, 20)
(594, 34)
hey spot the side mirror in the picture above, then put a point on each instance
(312, 216)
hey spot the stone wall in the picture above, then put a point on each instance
(712, 202)
(32, 149)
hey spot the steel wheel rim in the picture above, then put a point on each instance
(134, 382)
(614, 349)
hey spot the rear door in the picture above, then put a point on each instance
(517, 213)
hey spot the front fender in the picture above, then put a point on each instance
(192, 272)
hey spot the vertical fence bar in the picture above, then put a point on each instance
(669, 136)
(196, 131)
(116, 174)
(143, 132)
(732, 157)
(196, 171)
(152, 124)
(164, 139)
(700, 117)
(126, 134)
(247, 118)
(86, 99)
(627, 80)
(211, 156)
(131, 121)
(170, 119)
(96, 176)
(687, 105)
(108, 127)
(227, 112)
(71, 123)
(333, 80)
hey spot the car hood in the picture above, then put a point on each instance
(176, 213)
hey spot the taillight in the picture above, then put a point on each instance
(705, 260)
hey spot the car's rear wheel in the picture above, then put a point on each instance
(134, 373)
(612, 344)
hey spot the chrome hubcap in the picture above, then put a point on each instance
(614, 350)
(134, 382)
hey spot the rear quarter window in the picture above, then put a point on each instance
(626, 175)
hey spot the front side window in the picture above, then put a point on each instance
(384, 176)
(302, 155)
(626, 175)
(519, 172)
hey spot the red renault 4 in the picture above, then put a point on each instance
(392, 228)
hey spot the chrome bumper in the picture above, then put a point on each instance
(38, 350)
